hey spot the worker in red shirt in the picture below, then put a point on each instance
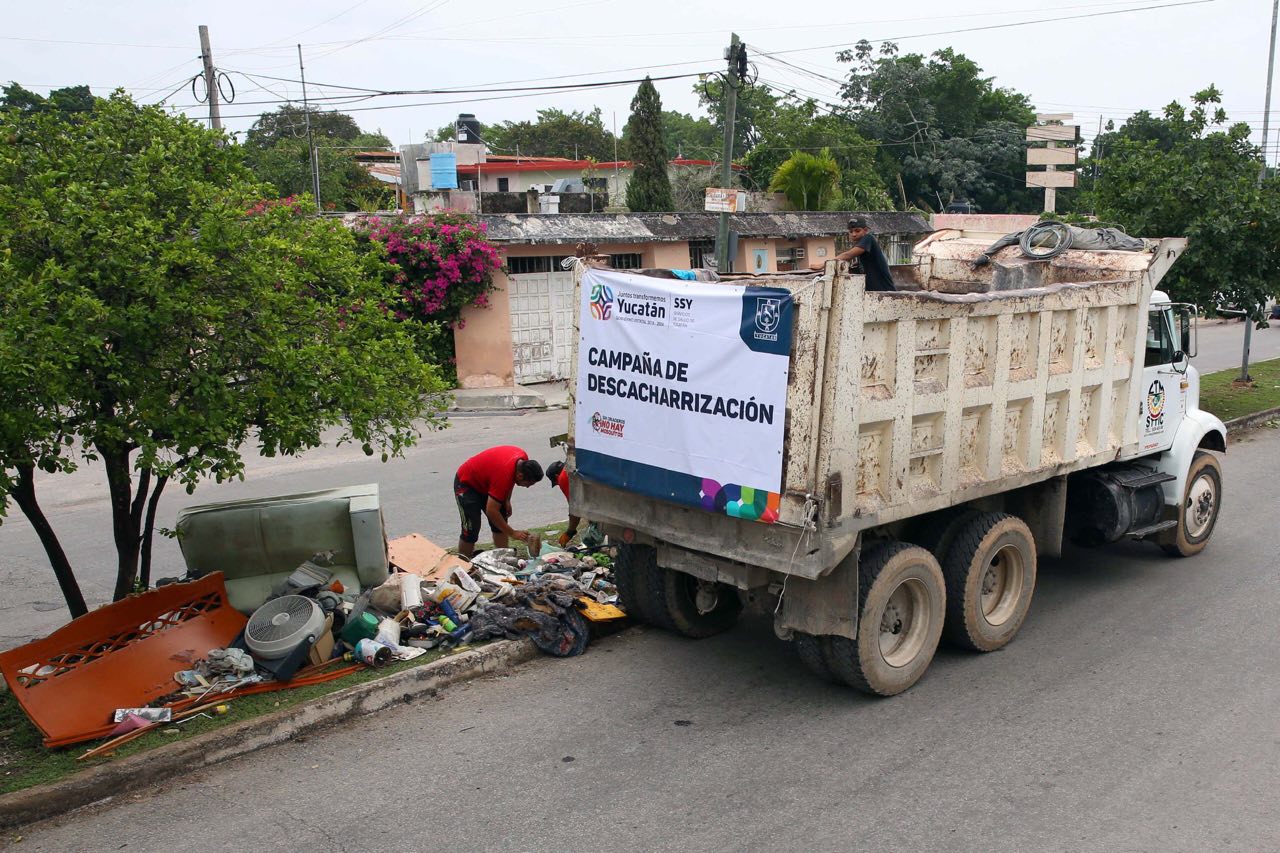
(484, 484)
(559, 476)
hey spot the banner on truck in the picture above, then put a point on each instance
(682, 390)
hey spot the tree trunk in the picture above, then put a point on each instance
(148, 530)
(25, 496)
(125, 522)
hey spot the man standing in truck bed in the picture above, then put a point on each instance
(483, 485)
(867, 251)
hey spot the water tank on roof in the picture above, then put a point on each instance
(468, 128)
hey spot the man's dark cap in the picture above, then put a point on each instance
(553, 472)
(858, 222)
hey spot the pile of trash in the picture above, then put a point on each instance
(181, 650)
(549, 598)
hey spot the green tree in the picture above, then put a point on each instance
(650, 186)
(576, 135)
(693, 138)
(276, 150)
(809, 181)
(1190, 173)
(921, 109)
(71, 99)
(159, 318)
(753, 112)
(802, 125)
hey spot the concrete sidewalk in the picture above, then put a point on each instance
(511, 398)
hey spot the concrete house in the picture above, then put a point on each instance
(525, 335)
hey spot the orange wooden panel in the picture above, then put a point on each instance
(123, 655)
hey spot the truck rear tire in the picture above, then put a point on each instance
(639, 581)
(697, 608)
(990, 571)
(1198, 512)
(902, 601)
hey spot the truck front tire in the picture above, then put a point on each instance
(990, 571)
(1198, 512)
(903, 598)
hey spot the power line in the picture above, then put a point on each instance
(523, 94)
(998, 26)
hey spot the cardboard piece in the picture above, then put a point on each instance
(417, 554)
(323, 648)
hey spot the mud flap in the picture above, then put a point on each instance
(828, 605)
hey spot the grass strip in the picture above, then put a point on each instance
(1219, 396)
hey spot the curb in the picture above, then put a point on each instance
(105, 781)
(1245, 422)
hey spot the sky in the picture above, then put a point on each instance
(1097, 59)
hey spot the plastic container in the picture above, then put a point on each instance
(410, 590)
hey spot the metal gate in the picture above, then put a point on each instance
(541, 325)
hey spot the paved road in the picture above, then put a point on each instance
(416, 497)
(1136, 711)
(1221, 344)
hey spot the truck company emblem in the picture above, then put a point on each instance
(1155, 400)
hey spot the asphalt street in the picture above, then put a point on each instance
(416, 494)
(1220, 345)
(1137, 710)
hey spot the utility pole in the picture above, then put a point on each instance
(210, 78)
(732, 78)
(311, 145)
(1262, 174)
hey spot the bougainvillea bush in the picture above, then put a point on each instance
(439, 264)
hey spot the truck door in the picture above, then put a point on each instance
(1162, 402)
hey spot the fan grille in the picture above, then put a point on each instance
(282, 623)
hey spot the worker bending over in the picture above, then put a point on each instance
(484, 483)
(559, 476)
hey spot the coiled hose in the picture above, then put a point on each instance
(1046, 240)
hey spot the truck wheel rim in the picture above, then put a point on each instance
(1200, 504)
(1002, 585)
(904, 624)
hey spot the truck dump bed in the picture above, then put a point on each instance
(964, 383)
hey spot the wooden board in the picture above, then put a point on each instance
(1051, 156)
(1051, 179)
(1053, 132)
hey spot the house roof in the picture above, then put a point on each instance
(509, 163)
(568, 228)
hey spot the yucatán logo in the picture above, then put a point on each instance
(601, 301)
(768, 318)
(1155, 406)
(606, 425)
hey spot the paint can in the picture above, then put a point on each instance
(372, 653)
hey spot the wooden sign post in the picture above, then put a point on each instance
(1052, 128)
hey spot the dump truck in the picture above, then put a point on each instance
(880, 470)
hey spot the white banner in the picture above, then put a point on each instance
(682, 389)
